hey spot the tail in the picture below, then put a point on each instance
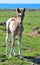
(7, 26)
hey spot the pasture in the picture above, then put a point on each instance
(30, 44)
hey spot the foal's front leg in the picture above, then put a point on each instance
(19, 46)
(12, 46)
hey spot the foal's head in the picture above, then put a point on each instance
(21, 13)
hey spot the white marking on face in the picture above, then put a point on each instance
(20, 14)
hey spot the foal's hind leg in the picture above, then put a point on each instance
(12, 46)
(7, 34)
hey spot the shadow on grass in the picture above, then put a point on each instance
(3, 58)
(2, 45)
(3, 23)
(33, 59)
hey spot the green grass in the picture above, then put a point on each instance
(30, 45)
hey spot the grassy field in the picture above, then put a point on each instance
(30, 45)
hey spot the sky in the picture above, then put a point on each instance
(20, 1)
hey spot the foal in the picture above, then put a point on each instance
(15, 26)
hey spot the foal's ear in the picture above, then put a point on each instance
(24, 10)
(18, 10)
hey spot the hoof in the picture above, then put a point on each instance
(14, 54)
(21, 57)
(10, 56)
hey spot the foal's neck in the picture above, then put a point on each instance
(20, 21)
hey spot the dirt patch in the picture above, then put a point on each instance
(34, 32)
(35, 28)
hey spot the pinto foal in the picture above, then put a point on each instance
(15, 26)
